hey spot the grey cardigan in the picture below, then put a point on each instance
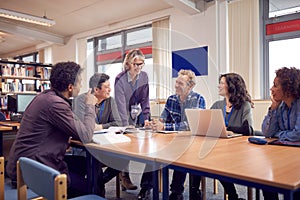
(239, 118)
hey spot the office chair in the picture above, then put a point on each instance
(2, 177)
(44, 181)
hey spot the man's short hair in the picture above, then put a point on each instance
(97, 79)
(63, 74)
(190, 74)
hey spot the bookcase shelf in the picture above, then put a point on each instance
(23, 77)
(13, 93)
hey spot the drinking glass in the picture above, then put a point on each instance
(135, 111)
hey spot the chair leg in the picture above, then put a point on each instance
(250, 193)
(203, 188)
(225, 196)
(2, 177)
(216, 186)
(118, 186)
(160, 188)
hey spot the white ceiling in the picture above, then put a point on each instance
(75, 16)
(71, 17)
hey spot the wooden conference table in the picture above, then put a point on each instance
(269, 167)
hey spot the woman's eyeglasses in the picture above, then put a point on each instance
(138, 64)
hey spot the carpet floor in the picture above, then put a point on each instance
(135, 175)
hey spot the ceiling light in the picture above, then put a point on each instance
(26, 17)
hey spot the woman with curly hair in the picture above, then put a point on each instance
(283, 118)
(236, 107)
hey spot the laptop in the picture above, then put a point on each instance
(208, 122)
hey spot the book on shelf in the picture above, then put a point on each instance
(30, 71)
(40, 72)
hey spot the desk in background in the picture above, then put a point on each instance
(7, 126)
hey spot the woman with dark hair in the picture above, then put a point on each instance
(236, 107)
(283, 118)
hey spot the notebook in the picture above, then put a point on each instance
(208, 122)
(285, 143)
(110, 138)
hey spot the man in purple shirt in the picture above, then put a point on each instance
(48, 122)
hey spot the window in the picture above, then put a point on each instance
(139, 36)
(281, 38)
(32, 57)
(280, 8)
(109, 51)
(283, 53)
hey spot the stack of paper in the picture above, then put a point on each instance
(110, 138)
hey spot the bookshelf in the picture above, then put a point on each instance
(18, 76)
(22, 77)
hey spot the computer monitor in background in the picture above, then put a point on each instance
(23, 100)
(12, 103)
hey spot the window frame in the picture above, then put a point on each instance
(123, 49)
(34, 55)
(144, 46)
(266, 39)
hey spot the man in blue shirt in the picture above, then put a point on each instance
(173, 118)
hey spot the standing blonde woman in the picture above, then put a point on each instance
(132, 98)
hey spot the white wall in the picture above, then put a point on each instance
(66, 52)
(259, 111)
(207, 28)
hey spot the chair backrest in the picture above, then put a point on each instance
(41, 179)
(1, 177)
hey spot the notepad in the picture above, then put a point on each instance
(285, 143)
(110, 138)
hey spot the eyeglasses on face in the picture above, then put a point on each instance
(138, 64)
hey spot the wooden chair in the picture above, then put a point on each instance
(44, 181)
(2, 177)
